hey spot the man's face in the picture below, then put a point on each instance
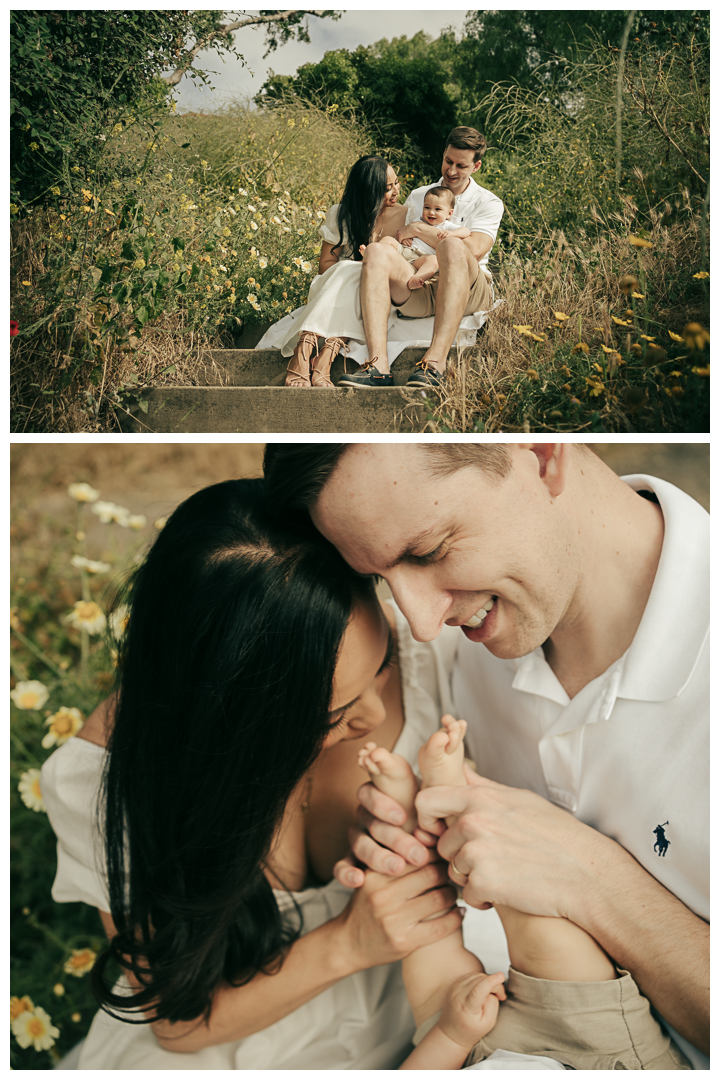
(455, 546)
(457, 168)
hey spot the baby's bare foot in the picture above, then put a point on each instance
(392, 774)
(441, 758)
(362, 249)
(415, 282)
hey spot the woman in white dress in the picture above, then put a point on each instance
(367, 211)
(202, 810)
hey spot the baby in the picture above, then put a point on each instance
(438, 208)
(565, 998)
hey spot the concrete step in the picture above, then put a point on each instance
(242, 390)
(266, 367)
(270, 409)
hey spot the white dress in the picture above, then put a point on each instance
(333, 310)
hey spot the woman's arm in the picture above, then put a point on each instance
(327, 257)
(383, 922)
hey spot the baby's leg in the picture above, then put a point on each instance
(392, 774)
(557, 949)
(430, 972)
(425, 267)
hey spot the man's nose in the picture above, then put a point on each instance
(424, 605)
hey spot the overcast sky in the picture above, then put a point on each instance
(360, 27)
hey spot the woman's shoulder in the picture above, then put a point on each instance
(329, 230)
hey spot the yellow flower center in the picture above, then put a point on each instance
(36, 788)
(36, 1028)
(87, 609)
(80, 959)
(29, 700)
(62, 725)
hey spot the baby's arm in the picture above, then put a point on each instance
(461, 233)
(469, 1013)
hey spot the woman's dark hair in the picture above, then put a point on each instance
(226, 684)
(361, 202)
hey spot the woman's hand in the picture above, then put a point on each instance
(378, 841)
(384, 920)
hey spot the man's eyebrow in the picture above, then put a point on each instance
(386, 660)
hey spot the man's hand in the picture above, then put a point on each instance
(513, 847)
(379, 842)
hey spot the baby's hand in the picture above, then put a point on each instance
(471, 1008)
(443, 234)
(407, 242)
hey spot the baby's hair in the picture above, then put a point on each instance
(441, 192)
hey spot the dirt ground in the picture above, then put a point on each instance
(152, 478)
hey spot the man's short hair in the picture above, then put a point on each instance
(467, 138)
(296, 473)
(441, 192)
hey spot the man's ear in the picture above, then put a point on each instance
(477, 165)
(554, 462)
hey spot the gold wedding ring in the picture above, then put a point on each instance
(454, 867)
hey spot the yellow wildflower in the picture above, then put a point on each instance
(638, 295)
(641, 242)
(560, 315)
(581, 347)
(676, 337)
(63, 725)
(701, 275)
(20, 1005)
(703, 372)
(627, 283)
(696, 336)
(532, 374)
(645, 337)
(58, 989)
(80, 962)
(621, 322)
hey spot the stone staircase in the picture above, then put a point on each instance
(241, 390)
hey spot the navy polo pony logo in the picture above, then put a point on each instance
(662, 843)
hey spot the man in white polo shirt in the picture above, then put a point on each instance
(464, 283)
(588, 705)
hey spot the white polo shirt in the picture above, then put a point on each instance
(476, 209)
(630, 753)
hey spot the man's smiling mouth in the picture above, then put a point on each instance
(479, 617)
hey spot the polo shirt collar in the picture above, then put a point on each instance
(675, 624)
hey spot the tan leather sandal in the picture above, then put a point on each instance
(322, 379)
(303, 355)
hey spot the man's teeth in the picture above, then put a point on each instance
(479, 617)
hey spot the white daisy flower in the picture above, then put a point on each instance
(30, 695)
(63, 725)
(82, 493)
(30, 793)
(87, 615)
(118, 620)
(81, 563)
(35, 1028)
(136, 521)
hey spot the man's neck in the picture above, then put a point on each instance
(621, 536)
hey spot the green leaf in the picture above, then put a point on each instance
(178, 243)
(143, 403)
(128, 251)
(142, 315)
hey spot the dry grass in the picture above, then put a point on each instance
(581, 280)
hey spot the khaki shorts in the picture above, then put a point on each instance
(605, 1025)
(421, 302)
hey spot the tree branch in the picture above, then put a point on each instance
(225, 31)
